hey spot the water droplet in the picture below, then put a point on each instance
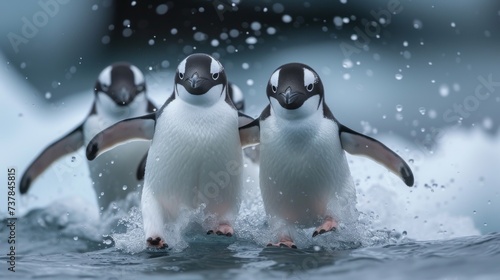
(417, 24)
(107, 241)
(162, 9)
(151, 42)
(346, 76)
(474, 212)
(200, 36)
(286, 18)
(347, 63)
(165, 64)
(133, 3)
(354, 37)
(124, 187)
(271, 30)
(399, 76)
(245, 65)
(444, 90)
(100, 174)
(452, 24)
(405, 44)
(316, 248)
(485, 224)
(250, 82)
(255, 25)
(421, 110)
(102, 193)
(411, 160)
(251, 40)
(399, 107)
(404, 233)
(73, 159)
(75, 238)
(95, 7)
(48, 95)
(112, 162)
(489, 202)
(157, 158)
(281, 193)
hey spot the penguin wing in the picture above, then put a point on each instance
(67, 144)
(141, 169)
(358, 144)
(134, 128)
(249, 129)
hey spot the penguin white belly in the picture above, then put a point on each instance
(303, 169)
(113, 173)
(195, 158)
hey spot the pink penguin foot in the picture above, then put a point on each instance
(156, 242)
(285, 241)
(328, 225)
(222, 229)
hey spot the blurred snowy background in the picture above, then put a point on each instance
(421, 76)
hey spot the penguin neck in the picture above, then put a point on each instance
(208, 99)
(311, 108)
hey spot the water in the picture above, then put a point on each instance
(51, 252)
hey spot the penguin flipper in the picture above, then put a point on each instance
(249, 130)
(358, 144)
(67, 144)
(134, 128)
(141, 169)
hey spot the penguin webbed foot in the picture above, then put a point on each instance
(285, 242)
(329, 224)
(157, 243)
(222, 229)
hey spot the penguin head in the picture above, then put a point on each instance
(120, 83)
(295, 91)
(200, 80)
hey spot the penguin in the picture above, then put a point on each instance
(119, 93)
(238, 99)
(195, 157)
(304, 175)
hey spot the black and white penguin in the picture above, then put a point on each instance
(195, 156)
(120, 93)
(304, 175)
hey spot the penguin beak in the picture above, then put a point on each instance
(195, 80)
(195, 84)
(123, 96)
(289, 96)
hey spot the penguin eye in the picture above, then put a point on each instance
(215, 76)
(274, 89)
(310, 87)
(181, 75)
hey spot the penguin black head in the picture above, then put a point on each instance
(200, 78)
(121, 82)
(292, 86)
